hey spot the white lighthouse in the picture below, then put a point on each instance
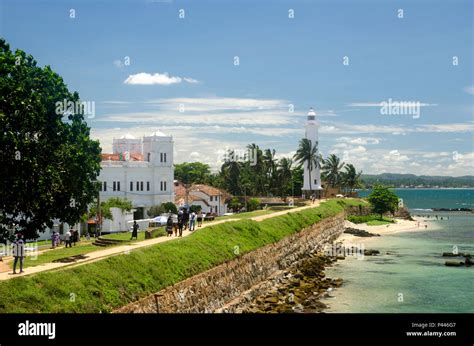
(311, 133)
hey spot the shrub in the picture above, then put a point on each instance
(253, 204)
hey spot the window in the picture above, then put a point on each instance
(162, 157)
(149, 157)
(131, 186)
(210, 198)
(118, 185)
(141, 186)
(315, 182)
(148, 186)
(114, 186)
(105, 186)
(162, 185)
(138, 186)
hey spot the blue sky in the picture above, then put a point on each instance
(282, 61)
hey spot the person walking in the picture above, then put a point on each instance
(75, 236)
(67, 238)
(169, 225)
(57, 239)
(18, 252)
(192, 220)
(199, 218)
(185, 218)
(180, 223)
(53, 239)
(134, 230)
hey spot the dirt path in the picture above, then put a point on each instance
(126, 249)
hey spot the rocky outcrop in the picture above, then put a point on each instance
(213, 289)
(401, 212)
(296, 290)
(360, 232)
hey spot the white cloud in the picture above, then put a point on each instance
(359, 140)
(191, 80)
(157, 78)
(219, 104)
(469, 89)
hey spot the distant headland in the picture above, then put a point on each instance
(417, 181)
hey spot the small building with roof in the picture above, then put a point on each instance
(209, 198)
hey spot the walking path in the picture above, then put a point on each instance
(126, 249)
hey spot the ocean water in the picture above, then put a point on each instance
(409, 275)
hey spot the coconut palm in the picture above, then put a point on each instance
(350, 178)
(284, 174)
(307, 154)
(332, 170)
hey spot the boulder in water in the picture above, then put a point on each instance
(371, 252)
(454, 264)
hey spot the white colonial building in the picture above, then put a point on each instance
(140, 170)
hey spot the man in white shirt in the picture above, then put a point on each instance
(67, 238)
(192, 221)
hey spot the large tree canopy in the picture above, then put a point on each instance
(48, 163)
(383, 200)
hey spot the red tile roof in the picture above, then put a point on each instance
(120, 157)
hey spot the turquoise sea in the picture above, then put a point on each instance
(412, 277)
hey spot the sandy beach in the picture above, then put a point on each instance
(401, 225)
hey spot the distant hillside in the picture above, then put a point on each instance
(411, 180)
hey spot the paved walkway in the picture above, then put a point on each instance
(126, 249)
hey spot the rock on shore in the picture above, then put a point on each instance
(299, 290)
(360, 232)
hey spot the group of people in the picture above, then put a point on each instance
(71, 237)
(183, 220)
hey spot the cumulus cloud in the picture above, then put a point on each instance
(144, 78)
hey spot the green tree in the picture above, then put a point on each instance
(284, 175)
(307, 154)
(382, 200)
(235, 204)
(195, 208)
(157, 210)
(48, 163)
(296, 181)
(332, 170)
(231, 174)
(113, 202)
(192, 172)
(253, 204)
(350, 178)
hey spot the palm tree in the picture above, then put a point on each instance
(350, 178)
(332, 170)
(307, 153)
(230, 172)
(284, 174)
(256, 168)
